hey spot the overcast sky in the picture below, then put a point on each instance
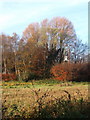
(16, 15)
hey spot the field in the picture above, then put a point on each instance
(45, 99)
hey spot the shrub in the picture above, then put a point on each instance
(62, 71)
(31, 76)
(71, 71)
(83, 72)
(8, 77)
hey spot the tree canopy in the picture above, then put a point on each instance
(41, 46)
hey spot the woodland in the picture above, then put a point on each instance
(47, 49)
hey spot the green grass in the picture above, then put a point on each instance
(39, 83)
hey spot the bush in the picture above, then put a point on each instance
(31, 76)
(62, 71)
(8, 77)
(84, 73)
(71, 71)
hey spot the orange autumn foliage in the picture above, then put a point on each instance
(61, 72)
(71, 72)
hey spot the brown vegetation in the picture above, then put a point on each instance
(46, 103)
(71, 72)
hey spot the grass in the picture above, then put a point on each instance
(45, 99)
(39, 83)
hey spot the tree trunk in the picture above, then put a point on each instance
(16, 71)
(5, 66)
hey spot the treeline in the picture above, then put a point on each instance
(41, 46)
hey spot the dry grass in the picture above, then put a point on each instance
(56, 90)
(24, 101)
